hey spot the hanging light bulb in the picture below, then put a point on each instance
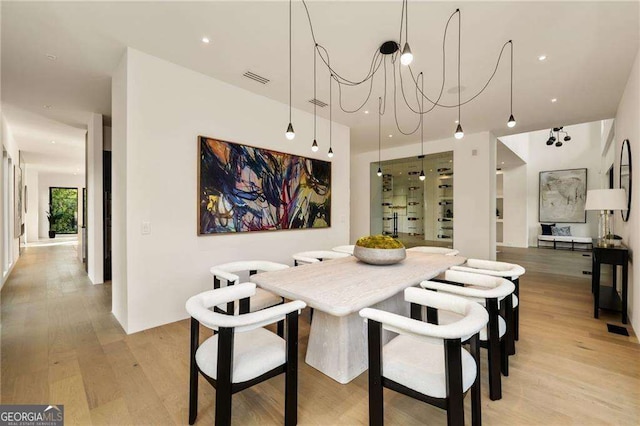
(379, 172)
(511, 122)
(459, 134)
(407, 57)
(549, 142)
(558, 144)
(290, 134)
(314, 147)
(567, 138)
(422, 176)
(330, 153)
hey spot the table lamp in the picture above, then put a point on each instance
(606, 200)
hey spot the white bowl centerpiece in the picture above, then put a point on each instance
(379, 250)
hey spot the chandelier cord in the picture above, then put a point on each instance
(315, 99)
(330, 113)
(290, 74)
(379, 127)
(459, 45)
(511, 89)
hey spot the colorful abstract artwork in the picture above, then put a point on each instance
(243, 189)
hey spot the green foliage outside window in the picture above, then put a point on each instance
(63, 210)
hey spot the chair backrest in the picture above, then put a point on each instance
(199, 307)
(317, 256)
(491, 267)
(474, 316)
(227, 271)
(475, 286)
(435, 250)
(344, 249)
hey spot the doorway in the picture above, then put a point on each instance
(63, 210)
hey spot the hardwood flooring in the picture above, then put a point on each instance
(61, 345)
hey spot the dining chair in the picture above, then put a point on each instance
(435, 250)
(510, 271)
(488, 291)
(242, 353)
(426, 361)
(228, 273)
(314, 256)
(344, 249)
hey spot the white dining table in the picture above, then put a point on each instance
(337, 290)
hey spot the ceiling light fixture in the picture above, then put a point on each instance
(53, 141)
(206, 40)
(366, 112)
(556, 139)
(46, 106)
(422, 176)
(290, 134)
(314, 146)
(51, 57)
(390, 51)
(330, 153)
(379, 132)
(542, 57)
(554, 100)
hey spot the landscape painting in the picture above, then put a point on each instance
(242, 189)
(563, 194)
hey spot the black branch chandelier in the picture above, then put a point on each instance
(555, 140)
(386, 56)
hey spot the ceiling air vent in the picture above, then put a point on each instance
(318, 102)
(255, 77)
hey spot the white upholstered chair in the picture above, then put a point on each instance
(242, 353)
(314, 256)
(228, 272)
(435, 250)
(426, 361)
(344, 249)
(510, 271)
(488, 291)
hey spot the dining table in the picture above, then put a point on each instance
(337, 290)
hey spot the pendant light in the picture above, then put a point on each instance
(422, 176)
(314, 146)
(290, 134)
(407, 57)
(512, 121)
(459, 134)
(330, 153)
(379, 140)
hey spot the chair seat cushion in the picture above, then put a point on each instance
(255, 352)
(261, 300)
(448, 317)
(419, 365)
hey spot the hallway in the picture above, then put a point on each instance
(60, 344)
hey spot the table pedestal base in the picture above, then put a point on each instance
(338, 345)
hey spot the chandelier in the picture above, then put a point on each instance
(556, 139)
(385, 56)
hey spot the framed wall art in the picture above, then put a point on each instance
(562, 196)
(243, 189)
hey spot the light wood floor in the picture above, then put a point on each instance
(61, 345)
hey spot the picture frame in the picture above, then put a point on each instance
(242, 188)
(562, 196)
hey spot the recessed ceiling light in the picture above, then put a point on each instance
(430, 170)
(542, 57)
(53, 141)
(457, 121)
(206, 40)
(51, 57)
(554, 100)
(502, 162)
(75, 174)
(390, 136)
(366, 112)
(451, 161)
(46, 106)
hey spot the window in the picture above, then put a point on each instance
(63, 210)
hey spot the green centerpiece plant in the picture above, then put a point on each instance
(379, 242)
(379, 250)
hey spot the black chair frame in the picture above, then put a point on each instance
(224, 386)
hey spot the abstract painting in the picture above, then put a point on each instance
(18, 221)
(562, 196)
(242, 188)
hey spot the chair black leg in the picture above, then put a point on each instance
(495, 385)
(509, 318)
(453, 371)
(291, 378)
(376, 403)
(504, 356)
(476, 403)
(193, 372)
(516, 313)
(224, 377)
(280, 328)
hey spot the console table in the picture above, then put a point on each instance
(606, 297)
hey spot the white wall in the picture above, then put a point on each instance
(95, 231)
(581, 152)
(9, 144)
(627, 126)
(159, 110)
(63, 180)
(32, 215)
(514, 228)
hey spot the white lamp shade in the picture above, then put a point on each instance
(606, 199)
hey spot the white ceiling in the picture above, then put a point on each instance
(590, 48)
